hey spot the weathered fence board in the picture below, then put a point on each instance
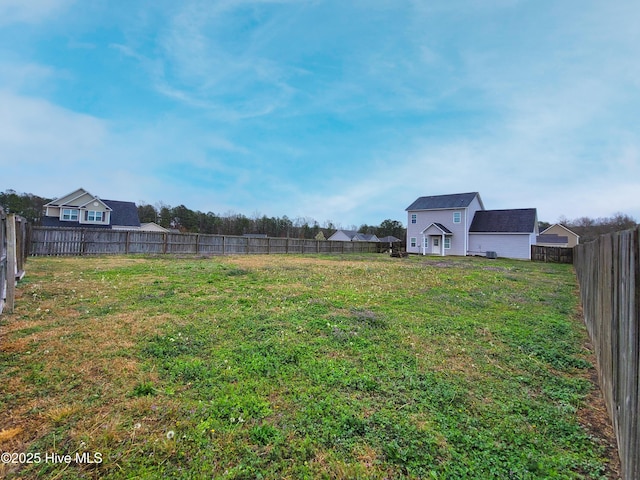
(3, 258)
(608, 271)
(73, 241)
(14, 236)
(540, 253)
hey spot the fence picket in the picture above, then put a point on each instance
(608, 271)
(73, 241)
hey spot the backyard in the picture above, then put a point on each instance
(314, 366)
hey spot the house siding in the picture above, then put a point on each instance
(424, 218)
(445, 217)
(562, 232)
(508, 245)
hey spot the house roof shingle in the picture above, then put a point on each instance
(123, 213)
(354, 236)
(456, 200)
(522, 220)
(551, 238)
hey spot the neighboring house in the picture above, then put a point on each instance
(389, 239)
(560, 230)
(152, 227)
(82, 209)
(458, 224)
(352, 236)
(552, 241)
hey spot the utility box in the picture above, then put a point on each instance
(491, 254)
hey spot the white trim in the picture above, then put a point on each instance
(70, 210)
(466, 234)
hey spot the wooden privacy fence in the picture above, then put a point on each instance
(608, 271)
(541, 253)
(71, 241)
(14, 237)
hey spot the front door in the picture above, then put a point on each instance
(435, 245)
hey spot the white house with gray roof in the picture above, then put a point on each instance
(458, 224)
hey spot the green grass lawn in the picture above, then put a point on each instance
(358, 366)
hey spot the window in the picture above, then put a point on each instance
(413, 241)
(426, 242)
(414, 218)
(70, 214)
(93, 216)
(447, 242)
(457, 217)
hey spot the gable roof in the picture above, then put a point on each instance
(68, 197)
(522, 220)
(73, 200)
(438, 226)
(354, 236)
(364, 237)
(390, 239)
(123, 213)
(436, 202)
(561, 226)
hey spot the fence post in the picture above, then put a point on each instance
(11, 262)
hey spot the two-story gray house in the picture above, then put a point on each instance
(458, 224)
(82, 209)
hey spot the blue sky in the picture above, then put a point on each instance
(330, 110)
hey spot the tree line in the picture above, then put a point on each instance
(187, 220)
(184, 219)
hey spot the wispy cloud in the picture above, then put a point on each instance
(335, 110)
(32, 11)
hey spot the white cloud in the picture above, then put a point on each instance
(17, 76)
(34, 130)
(30, 11)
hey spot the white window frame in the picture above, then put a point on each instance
(426, 242)
(447, 243)
(95, 216)
(413, 241)
(70, 214)
(457, 217)
(414, 218)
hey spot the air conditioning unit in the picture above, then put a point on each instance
(491, 254)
